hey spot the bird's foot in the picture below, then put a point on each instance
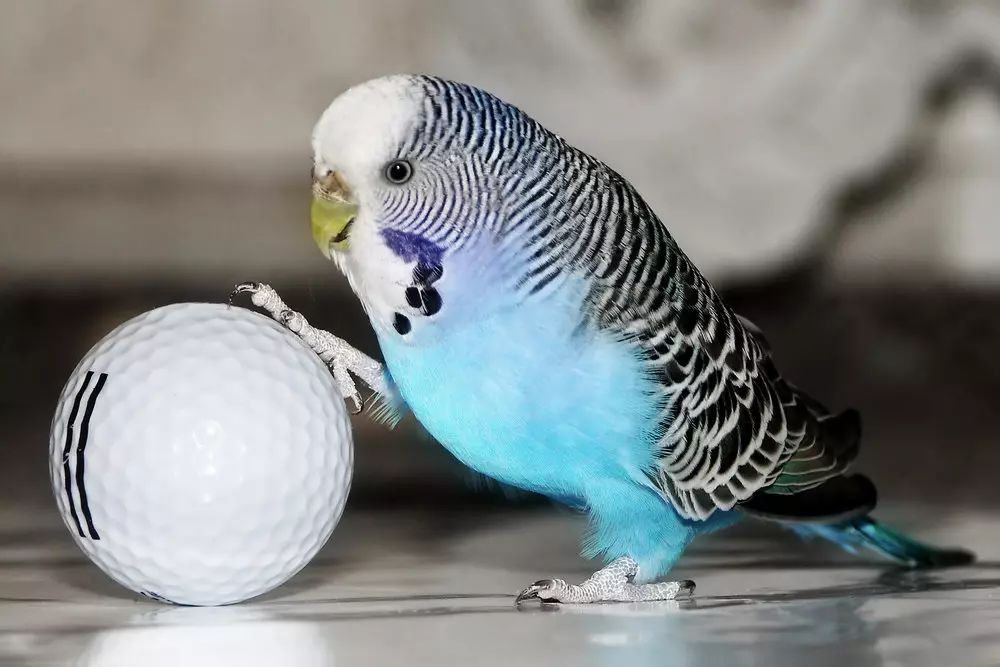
(612, 583)
(342, 358)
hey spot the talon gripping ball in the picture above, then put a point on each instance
(201, 454)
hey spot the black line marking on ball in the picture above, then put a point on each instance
(67, 474)
(80, 448)
(156, 596)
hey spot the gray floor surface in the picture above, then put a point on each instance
(436, 587)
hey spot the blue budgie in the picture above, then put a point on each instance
(539, 320)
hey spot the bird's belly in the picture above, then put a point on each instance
(530, 401)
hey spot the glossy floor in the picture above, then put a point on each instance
(436, 588)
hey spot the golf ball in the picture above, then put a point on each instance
(201, 454)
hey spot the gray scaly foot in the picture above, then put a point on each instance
(342, 358)
(612, 583)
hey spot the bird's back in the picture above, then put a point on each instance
(733, 431)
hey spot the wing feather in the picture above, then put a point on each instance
(734, 428)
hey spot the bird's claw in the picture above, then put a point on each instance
(612, 583)
(358, 402)
(243, 288)
(341, 358)
(348, 388)
(539, 591)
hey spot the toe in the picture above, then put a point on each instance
(529, 593)
(243, 287)
(540, 590)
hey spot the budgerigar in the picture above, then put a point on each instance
(539, 320)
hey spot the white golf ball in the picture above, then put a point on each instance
(201, 454)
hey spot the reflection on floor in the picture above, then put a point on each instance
(436, 587)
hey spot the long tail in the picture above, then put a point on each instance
(865, 532)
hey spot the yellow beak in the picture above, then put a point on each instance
(331, 214)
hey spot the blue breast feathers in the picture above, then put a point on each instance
(526, 396)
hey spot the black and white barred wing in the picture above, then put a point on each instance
(737, 433)
(734, 432)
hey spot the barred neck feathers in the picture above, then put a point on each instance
(488, 178)
(561, 208)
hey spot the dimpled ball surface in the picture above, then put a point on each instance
(201, 454)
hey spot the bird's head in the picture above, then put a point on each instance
(411, 170)
(360, 163)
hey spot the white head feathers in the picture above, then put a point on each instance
(360, 127)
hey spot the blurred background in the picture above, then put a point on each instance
(832, 165)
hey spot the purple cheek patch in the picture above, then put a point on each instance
(413, 248)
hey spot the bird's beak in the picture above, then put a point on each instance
(332, 212)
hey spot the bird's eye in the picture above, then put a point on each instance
(398, 171)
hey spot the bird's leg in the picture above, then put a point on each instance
(613, 583)
(342, 358)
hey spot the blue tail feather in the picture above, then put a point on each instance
(865, 532)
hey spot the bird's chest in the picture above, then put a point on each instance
(526, 397)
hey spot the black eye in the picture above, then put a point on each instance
(398, 171)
